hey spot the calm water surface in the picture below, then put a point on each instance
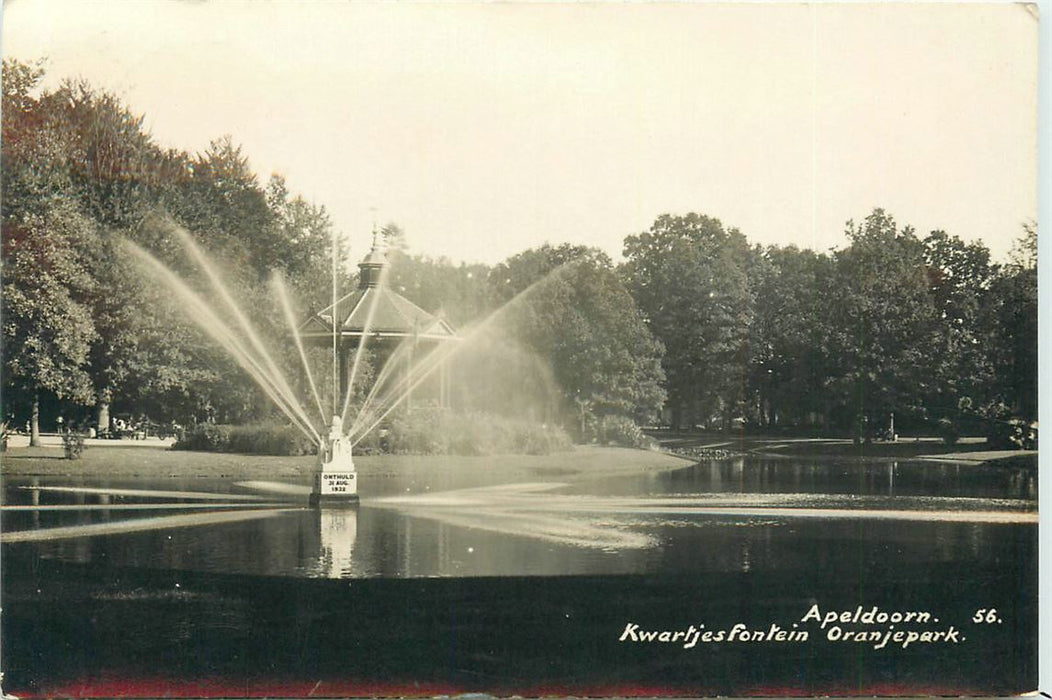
(742, 515)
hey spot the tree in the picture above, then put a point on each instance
(581, 320)
(459, 293)
(1009, 324)
(394, 237)
(47, 325)
(80, 152)
(884, 321)
(960, 373)
(221, 203)
(115, 168)
(301, 237)
(35, 144)
(790, 361)
(689, 277)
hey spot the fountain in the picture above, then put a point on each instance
(418, 344)
(371, 312)
(336, 480)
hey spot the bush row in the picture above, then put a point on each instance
(260, 439)
(443, 432)
(424, 431)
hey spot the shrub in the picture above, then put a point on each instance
(621, 430)
(204, 437)
(536, 439)
(73, 444)
(264, 439)
(260, 439)
(419, 432)
(948, 431)
(1012, 434)
(444, 432)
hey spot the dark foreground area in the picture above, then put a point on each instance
(95, 630)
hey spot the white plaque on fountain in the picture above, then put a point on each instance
(338, 483)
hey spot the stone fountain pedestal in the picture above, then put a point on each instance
(335, 488)
(336, 481)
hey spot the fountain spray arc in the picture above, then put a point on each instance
(372, 313)
(335, 479)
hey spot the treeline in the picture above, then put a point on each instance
(929, 329)
(696, 327)
(83, 332)
(722, 334)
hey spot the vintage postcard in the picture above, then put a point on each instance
(526, 349)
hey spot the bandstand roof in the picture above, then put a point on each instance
(394, 316)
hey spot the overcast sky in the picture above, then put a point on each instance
(485, 129)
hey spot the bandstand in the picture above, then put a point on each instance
(394, 321)
(384, 321)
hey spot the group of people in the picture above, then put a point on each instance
(137, 429)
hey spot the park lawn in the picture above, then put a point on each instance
(147, 461)
(971, 451)
(905, 448)
(580, 463)
(966, 451)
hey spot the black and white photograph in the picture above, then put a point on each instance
(371, 349)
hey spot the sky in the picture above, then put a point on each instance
(483, 129)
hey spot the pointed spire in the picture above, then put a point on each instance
(373, 264)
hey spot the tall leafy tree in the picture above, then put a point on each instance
(116, 169)
(458, 292)
(689, 277)
(47, 324)
(884, 319)
(78, 152)
(582, 321)
(790, 360)
(1010, 323)
(301, 235)
(960, 373)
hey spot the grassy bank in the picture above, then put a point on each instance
(147, 461)
(582, 462)
(965, 451)
(901, 449)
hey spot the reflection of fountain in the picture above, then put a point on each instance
(339, 530)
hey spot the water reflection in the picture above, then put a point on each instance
(337, 529)
(740, 515)
(133, 525)
(802, 475)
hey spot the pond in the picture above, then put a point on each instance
(751, 537)
(733, 515)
